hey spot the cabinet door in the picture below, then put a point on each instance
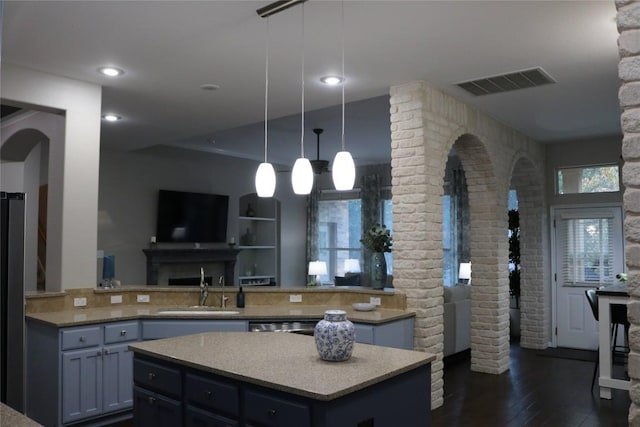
(195, 417)
(117, 377)
(81, 384)
(154, 410)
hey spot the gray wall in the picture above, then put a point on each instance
(582, 153)
(129, 184)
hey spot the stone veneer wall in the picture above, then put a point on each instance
(425, 125)
(629, 72)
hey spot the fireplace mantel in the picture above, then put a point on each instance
(158, 257)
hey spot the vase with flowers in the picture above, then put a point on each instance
(378, 240)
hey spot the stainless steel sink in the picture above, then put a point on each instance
(197, 310)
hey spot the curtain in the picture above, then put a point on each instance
(312, 225)
(370, 199)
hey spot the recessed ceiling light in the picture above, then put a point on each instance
(111, 71)
(210, 86)
(111, 117)
(331, 80)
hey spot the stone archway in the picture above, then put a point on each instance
(535, 298)
(490, 291)
(425, 124)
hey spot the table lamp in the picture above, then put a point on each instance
(465, 272)
(317, 268)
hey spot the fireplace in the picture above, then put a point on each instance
(158, 258)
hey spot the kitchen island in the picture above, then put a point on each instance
(228, 378)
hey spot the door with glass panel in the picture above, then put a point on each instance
(589, 253)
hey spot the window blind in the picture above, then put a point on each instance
(587, 254)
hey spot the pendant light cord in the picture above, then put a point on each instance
(343, 77)
(266, 93)
(302, 115)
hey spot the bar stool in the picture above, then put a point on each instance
(618, 317)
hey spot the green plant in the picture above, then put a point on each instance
(377, 239)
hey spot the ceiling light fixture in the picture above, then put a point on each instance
(343, 170)
(331, 80)
(111, 117)
(265, 180)
(302, 173)
(111, 71)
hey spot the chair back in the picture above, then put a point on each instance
(592, 297)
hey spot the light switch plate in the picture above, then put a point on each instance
(79, 302)
(295, 298)
(116, 299)
(374, 300)
(143, 298)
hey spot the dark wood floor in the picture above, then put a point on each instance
(536, 391)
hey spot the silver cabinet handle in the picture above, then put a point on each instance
(271, 412)
(106, 351)
(152, 400)
(151, 375)
(83, 338)
(209, 394)
(99, 353)
(123, 332)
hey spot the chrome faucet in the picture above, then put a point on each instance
(223, 300)
(204, 288)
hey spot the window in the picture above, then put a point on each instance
(387, 220)
(586, 249)
(340, 230)
(339, 224)
(594, 179)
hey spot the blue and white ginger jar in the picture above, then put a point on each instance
(334, 336)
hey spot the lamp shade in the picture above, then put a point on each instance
(351, 265)
(265, 180)
(317, 268)
(302, 176)
(343, 171)
(465, 271)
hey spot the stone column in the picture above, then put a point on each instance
(629, 72)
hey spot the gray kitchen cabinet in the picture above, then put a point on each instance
(81, 384)
(117, 372)
(195, 417)
(85, 372)
(398, 334)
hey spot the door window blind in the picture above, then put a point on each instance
(587, 254)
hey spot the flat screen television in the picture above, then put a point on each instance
(192, 217)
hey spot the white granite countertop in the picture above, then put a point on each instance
(286, 362)
(112, 314)
(9, 417)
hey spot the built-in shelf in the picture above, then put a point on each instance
(259, 239)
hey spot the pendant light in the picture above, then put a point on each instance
(302, 173)
(343, 170)
(266, 176)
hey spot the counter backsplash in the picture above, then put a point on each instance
(172, 296)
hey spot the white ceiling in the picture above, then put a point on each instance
(169, 48)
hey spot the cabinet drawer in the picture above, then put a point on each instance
(211, 394)
(81, 337)
(270, 411)
(157, 377)
(121, 332)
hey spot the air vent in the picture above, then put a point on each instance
(507, 82)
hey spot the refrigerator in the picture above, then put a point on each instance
(12, 341)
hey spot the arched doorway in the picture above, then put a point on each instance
(25, 157)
